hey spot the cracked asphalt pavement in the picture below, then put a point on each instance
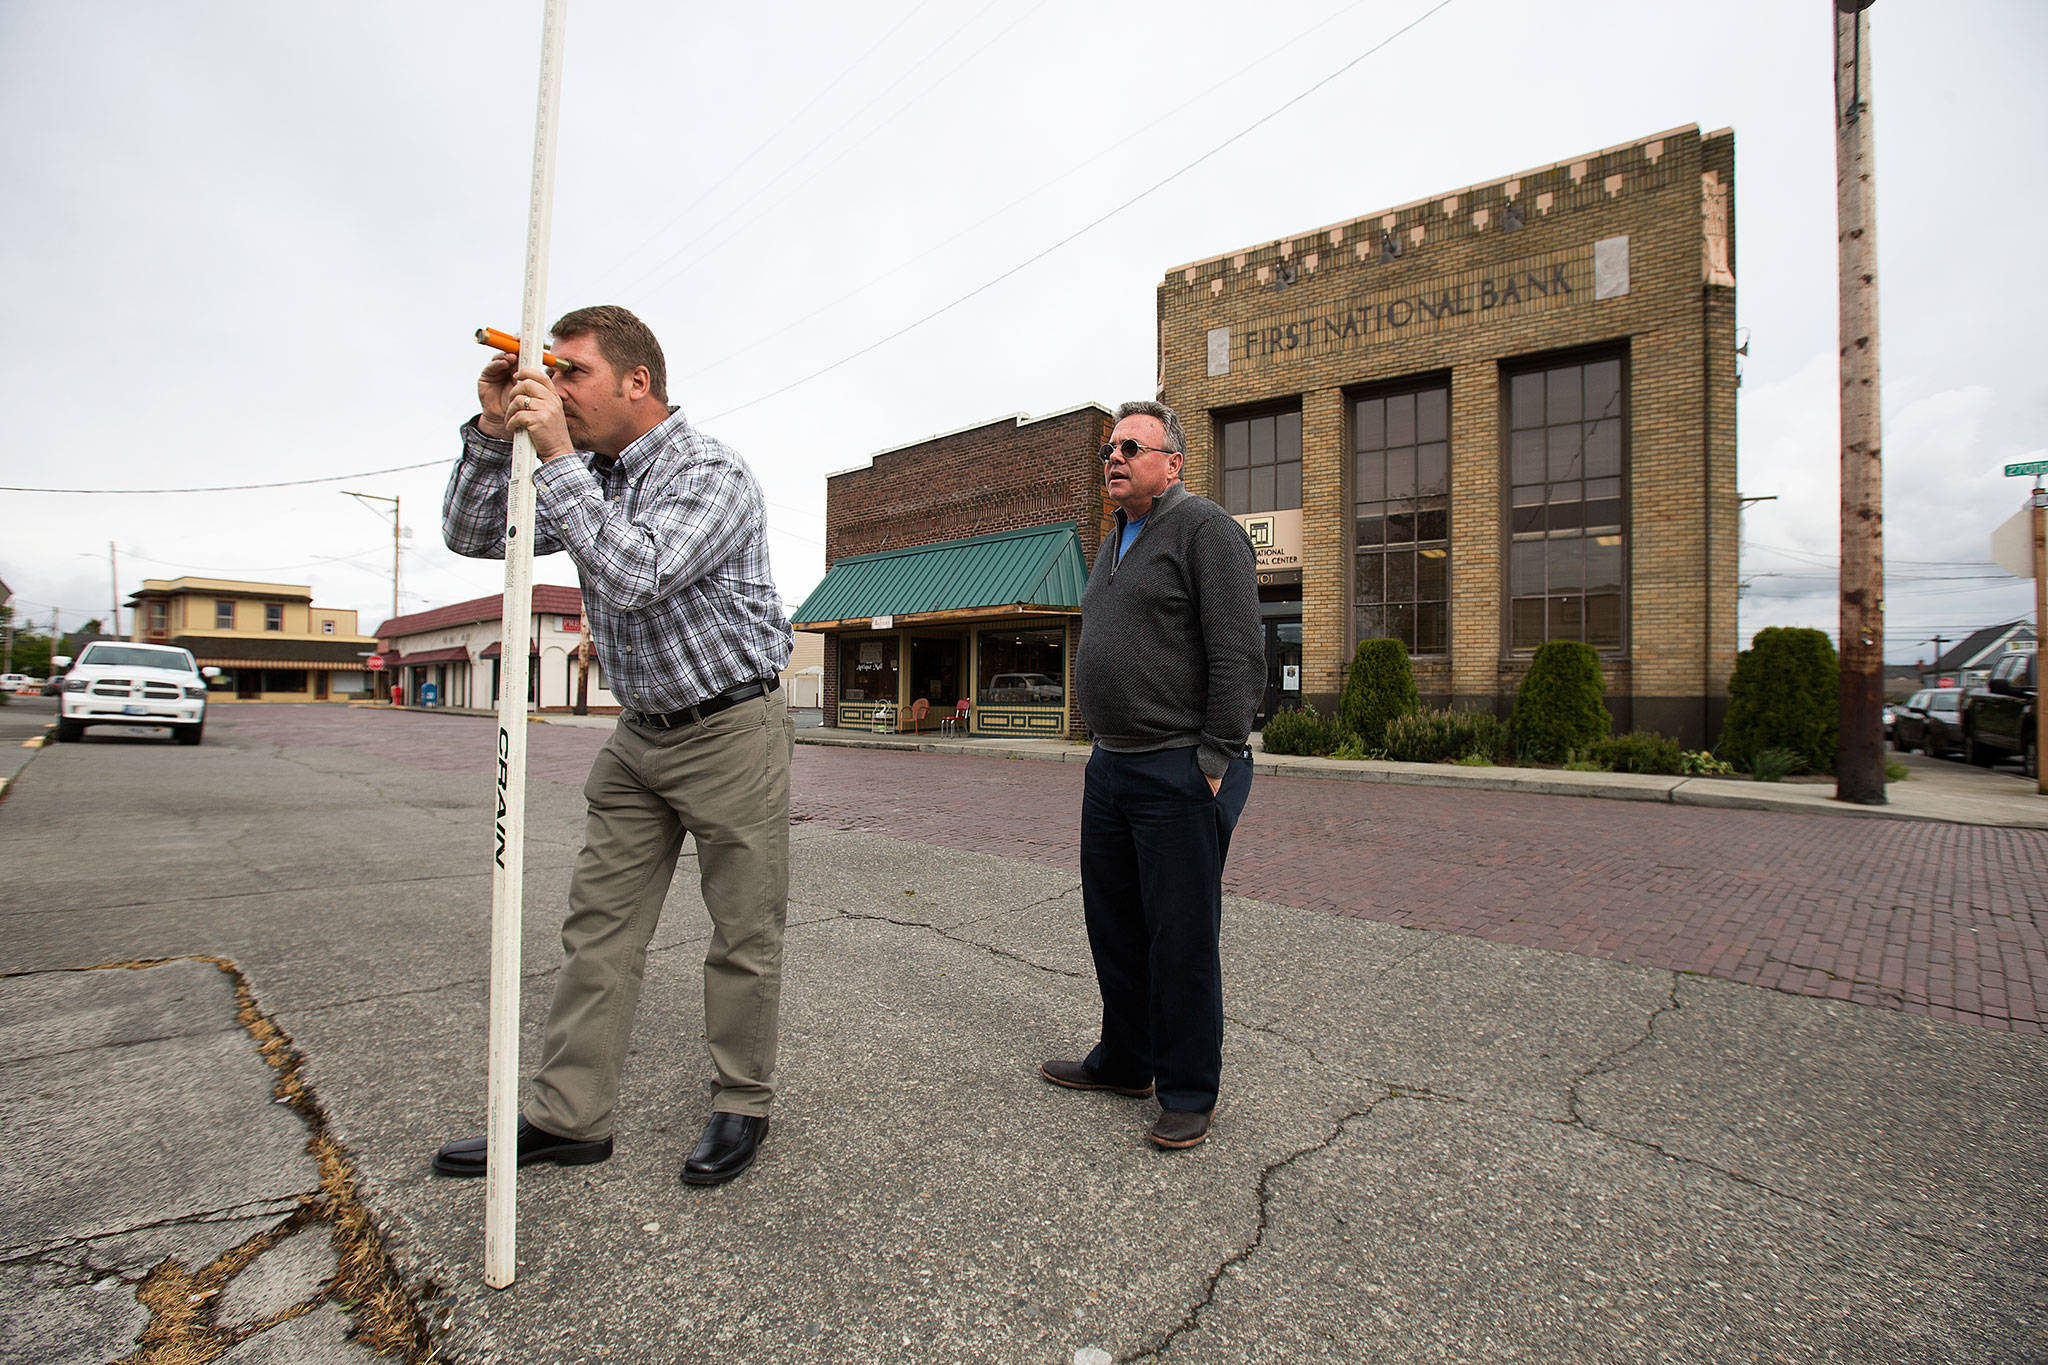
(1434, 1144)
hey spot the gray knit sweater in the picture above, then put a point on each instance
(1172, 653)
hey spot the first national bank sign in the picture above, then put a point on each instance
(1488, 294)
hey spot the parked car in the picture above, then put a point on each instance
(1013, 688)
(29, 687)
(1998, 718)
(11, 682)
(117, 683)
(1929, 720)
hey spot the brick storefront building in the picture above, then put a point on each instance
(1497, 416)
(954, 569)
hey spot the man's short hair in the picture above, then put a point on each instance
(622, 339)
(1161, 414)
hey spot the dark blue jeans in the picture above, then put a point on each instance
(1153, 842)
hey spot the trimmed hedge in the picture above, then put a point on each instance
(1638, 751)
(1785, 694)
(1558, 707)
(1380, 686)
(1446, 736)
(1302, 732)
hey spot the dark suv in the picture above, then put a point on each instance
(1998, 718)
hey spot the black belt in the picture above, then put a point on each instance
(711, 706)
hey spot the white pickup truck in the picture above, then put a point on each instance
(117, 683)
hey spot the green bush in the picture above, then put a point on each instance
(1785, 695)
(1302, 732)
(1445, 736)
(1774, 765)
(1638, 751)
(1352, 747)
(1558, 707)
(1702, 763)
(1380, 686)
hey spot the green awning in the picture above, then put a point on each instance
(1041, 566)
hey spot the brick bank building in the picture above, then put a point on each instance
(1498, 416)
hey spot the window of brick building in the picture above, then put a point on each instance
(1401, 472)
(223, 615)
(1567, 450)
(867, 668)
(1261, 459)
(1022, 668)
(273, 616)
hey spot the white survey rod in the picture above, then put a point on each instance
(501, 1207)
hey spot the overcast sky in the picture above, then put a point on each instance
(248, 243)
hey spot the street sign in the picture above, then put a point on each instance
(374, 662)
(2020, 471)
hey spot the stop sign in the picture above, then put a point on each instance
(374, 662)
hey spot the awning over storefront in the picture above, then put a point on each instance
(454, 654)
(318, 656)
(1039, 569)
(496, 650)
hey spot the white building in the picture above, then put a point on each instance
(451, 656)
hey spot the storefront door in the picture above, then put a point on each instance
(1283, 666)
(935, 673)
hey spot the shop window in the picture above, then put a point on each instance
(223, 615)
(867, 668)
(1567, 455)
(1022, 668)
(1261, 458)
(1401, 487)
(284, 680)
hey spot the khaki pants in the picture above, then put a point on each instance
(724, 780)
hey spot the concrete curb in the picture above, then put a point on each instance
(2008, 809)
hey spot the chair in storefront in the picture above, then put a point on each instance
(951, 725)
(913, 716)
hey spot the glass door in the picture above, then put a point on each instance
(1283, 667)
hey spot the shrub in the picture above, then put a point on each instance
(1445, 736)
(1702, 763)
(1302, 732)
(1558, 706)
(1380, 686)
(1638, 751)
(1785, 694)
(1774, 765)
(1352, 747)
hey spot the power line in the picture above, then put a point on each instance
(1090, 226)
(735, 353)
(837, 130)
(231, 487)
(762, 146)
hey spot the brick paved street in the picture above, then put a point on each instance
(1937, 919)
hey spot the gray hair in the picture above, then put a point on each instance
(1162, 414)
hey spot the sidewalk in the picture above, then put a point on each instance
(1934, 790)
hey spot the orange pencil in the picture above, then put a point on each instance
(509, 344)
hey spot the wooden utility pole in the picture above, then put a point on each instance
(1859, 757)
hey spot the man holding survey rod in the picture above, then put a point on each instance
(668, 531)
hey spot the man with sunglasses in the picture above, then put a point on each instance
(1171, 669)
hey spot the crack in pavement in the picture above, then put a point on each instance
(278, 1205)
(1889, 996)
(1192, 1320)
(988, 948)
(1611, 1062)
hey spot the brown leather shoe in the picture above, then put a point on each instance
(1077, 1076)
(1179, 1128)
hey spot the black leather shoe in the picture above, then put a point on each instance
(726, 1149)
(466, 1156)
(1077, 1076)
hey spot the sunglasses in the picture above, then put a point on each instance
(1129, 449)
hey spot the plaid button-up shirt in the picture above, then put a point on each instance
(670, 541)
